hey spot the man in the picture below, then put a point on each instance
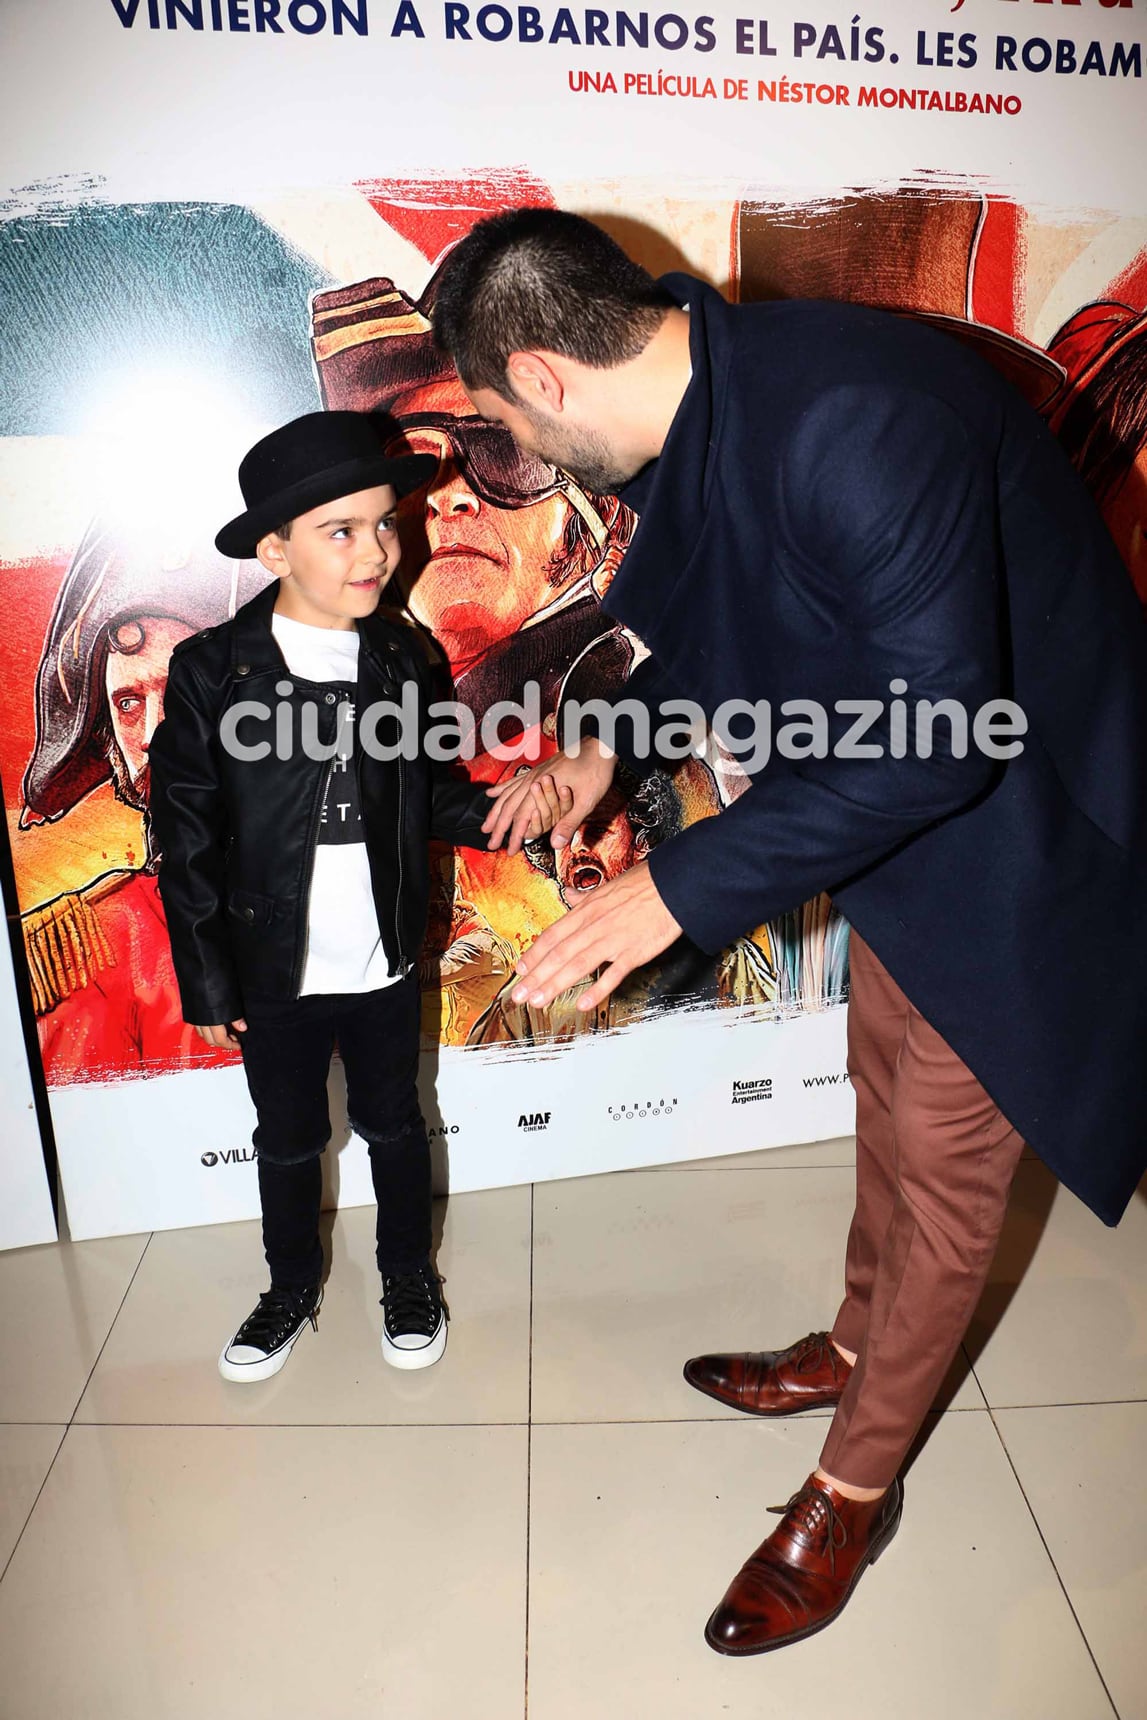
(98, 957)
(837, 504)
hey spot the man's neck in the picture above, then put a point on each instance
(652, 385)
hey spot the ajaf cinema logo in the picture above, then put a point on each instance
(637, 1108)
(752, 1092)
(533, 1121)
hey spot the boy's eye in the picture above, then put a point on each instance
(388, 524)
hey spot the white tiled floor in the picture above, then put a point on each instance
(541, 1525)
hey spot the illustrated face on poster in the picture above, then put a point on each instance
(135, 681)
(475, 572)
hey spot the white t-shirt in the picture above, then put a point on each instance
(344, 946)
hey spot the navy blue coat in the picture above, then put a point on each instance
(846, 497)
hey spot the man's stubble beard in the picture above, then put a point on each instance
(584, 454)
(591, 462)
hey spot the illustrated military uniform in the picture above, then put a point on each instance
(98, 957)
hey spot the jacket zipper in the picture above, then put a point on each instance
(301, 939)
(398, 892)
(399, 953)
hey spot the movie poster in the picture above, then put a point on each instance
(227, 213)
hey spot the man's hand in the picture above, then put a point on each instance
(222, 1037)
(586, 776)
(617, 928)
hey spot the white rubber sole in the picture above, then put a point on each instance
(242, 1373)
(424, 1357)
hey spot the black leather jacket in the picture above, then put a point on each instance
(237, 837)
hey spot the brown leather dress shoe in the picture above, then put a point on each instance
(808, 1375)
(802, 1576)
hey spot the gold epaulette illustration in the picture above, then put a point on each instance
(65, 944)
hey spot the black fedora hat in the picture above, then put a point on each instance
(312, 460)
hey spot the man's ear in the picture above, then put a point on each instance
(536, 380)
(269, 551)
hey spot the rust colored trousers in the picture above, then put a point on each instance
(935, 1160)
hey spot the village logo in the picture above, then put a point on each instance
(233, 1156)
(532, 1121)
(752, 1092)
(642, 1108)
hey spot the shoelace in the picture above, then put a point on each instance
(815, 1513)
(277, 1313)
(814, 1352)
(411, 1303)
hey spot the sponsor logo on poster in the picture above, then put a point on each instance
(232, 1156)
(637, 1108)
(533, 1121)
(752, 1092)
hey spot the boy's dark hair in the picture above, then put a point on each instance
(284, 531)
(542, 279)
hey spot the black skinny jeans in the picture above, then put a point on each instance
(286, 1056)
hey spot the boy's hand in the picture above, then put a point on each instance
(588, 774)
(222, 1037)
(551, 801)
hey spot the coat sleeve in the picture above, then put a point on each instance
(189, 819)
(891, 509)
(457, 809)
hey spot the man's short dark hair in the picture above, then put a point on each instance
(542, 279)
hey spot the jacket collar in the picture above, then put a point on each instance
(255, 650)
(672, 493)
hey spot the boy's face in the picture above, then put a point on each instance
(337, 560)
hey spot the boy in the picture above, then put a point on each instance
(295, 875)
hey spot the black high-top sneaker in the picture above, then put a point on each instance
(267, 1336)
(414, 1320)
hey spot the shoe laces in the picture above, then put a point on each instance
(817, 1518)
(278, 1311)
(411, 1301)
(814, 1352)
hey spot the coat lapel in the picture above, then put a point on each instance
(672, 494)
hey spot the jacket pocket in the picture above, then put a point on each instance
(250, 909)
